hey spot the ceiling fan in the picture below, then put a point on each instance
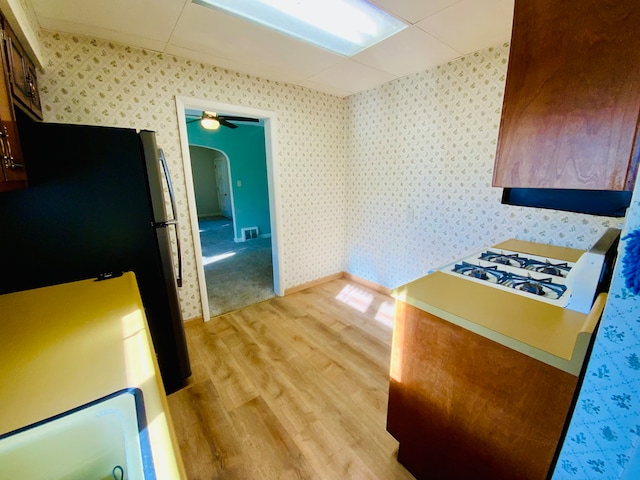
(211, 121)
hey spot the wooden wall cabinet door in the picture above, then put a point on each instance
(22, 74)
(14, 175)
(32, 80)
(572, 96)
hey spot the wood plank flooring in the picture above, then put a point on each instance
(291, 388)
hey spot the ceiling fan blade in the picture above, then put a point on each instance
(224, 120)
(238, 119)
(225, 123)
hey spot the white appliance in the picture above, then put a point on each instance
(564, 284)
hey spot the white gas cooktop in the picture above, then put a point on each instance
(539, 278)
(560, 283)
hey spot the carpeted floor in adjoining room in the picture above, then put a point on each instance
(237, 274)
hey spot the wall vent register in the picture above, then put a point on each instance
(249, 233)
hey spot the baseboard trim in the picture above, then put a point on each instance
(335, 276)
(313, 283)
(367, 283)
(242, 240)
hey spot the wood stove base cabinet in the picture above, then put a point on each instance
(482, 380)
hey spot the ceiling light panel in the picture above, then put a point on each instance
(345, 27)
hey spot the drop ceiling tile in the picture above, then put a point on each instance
(472, 25)
(322, 87)
(413, 11)
(150, 19)
(409, 51)
(352, 76)
(208, 58)
(227, 37)
(261, 71)
(105, 34)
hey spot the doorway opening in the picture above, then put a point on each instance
(223, 238)
(238, 269)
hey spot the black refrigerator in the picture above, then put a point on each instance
(94, 208)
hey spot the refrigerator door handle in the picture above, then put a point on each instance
(164, 224)
(174, 220)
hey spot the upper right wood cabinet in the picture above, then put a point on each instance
(572, 96)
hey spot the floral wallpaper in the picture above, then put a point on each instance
(385, 184)
(605, 427)
(96, 82)
(420, 164)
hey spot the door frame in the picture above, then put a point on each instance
(270, 134)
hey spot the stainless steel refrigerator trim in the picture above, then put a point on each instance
(173, 221)
(160, 224)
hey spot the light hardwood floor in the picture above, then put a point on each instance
(293, 387)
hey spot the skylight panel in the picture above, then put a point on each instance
(345, 27)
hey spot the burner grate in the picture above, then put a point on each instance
(511, 259)
(543, 287)
(479, 272)
(548, 268)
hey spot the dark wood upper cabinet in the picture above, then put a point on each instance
(22, 74)
(18, 87)
(13, 175)
(572, 96)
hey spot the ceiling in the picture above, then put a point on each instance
(439, 31)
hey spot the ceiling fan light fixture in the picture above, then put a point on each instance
(345, 27)
(208, 122)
